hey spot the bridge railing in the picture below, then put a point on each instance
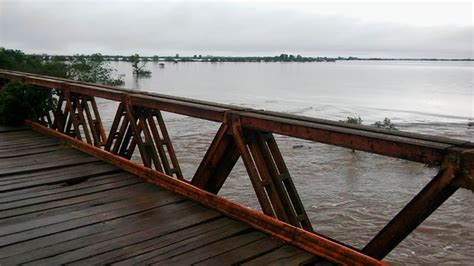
(247, 134)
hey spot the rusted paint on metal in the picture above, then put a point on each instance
(218, 161)
(465, 176)
(393, 146)
(438, 190)
(159, 128)
(283, 181)
(265, 166)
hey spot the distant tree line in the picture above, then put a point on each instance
(201, 58)
(278, 58)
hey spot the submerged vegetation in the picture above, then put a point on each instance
(138, 66)
(352, 120)
(385, 124)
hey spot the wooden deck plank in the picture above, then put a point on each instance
(124, 178)
(5, 129)
(69, 176)
(57, 223)
(58, 206)
(37, 149)
(53, 157)
(70, 205)
(244, 253)
(100, 232)
(109, 237)
(129, 235)
(115, 188)
(47, 190)
(69, 225)
(63, 171)
(150, 248)
(286, 255)
(23, 136)
(26, 140)
(166, 248)
(50, 189)
(185, 256)
(13, 165)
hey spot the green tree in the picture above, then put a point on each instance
(283, 57)
(92, 68)
(138, 66)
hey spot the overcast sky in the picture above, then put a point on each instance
(403, 29)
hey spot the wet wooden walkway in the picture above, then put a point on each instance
(61, 206)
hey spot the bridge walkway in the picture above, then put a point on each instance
(62, 206)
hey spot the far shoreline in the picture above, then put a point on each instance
(250, 59)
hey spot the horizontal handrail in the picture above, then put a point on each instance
(409, 146)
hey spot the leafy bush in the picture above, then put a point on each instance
(352, 120)
(92, 69)
(19, 101)
(87, 68)
(386, 124)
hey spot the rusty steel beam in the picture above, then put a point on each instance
(314, 243)
(437, 191)
(113, 93)
(417, 150)
(409, 146)
(466, 171)
(174, 167)
(257, 182)
(136, 131)
(73, 122)
(115, 136)
(218, 161)
(283, 181)
(265, 166)
(242, 109)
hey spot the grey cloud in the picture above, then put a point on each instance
(215, 28)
